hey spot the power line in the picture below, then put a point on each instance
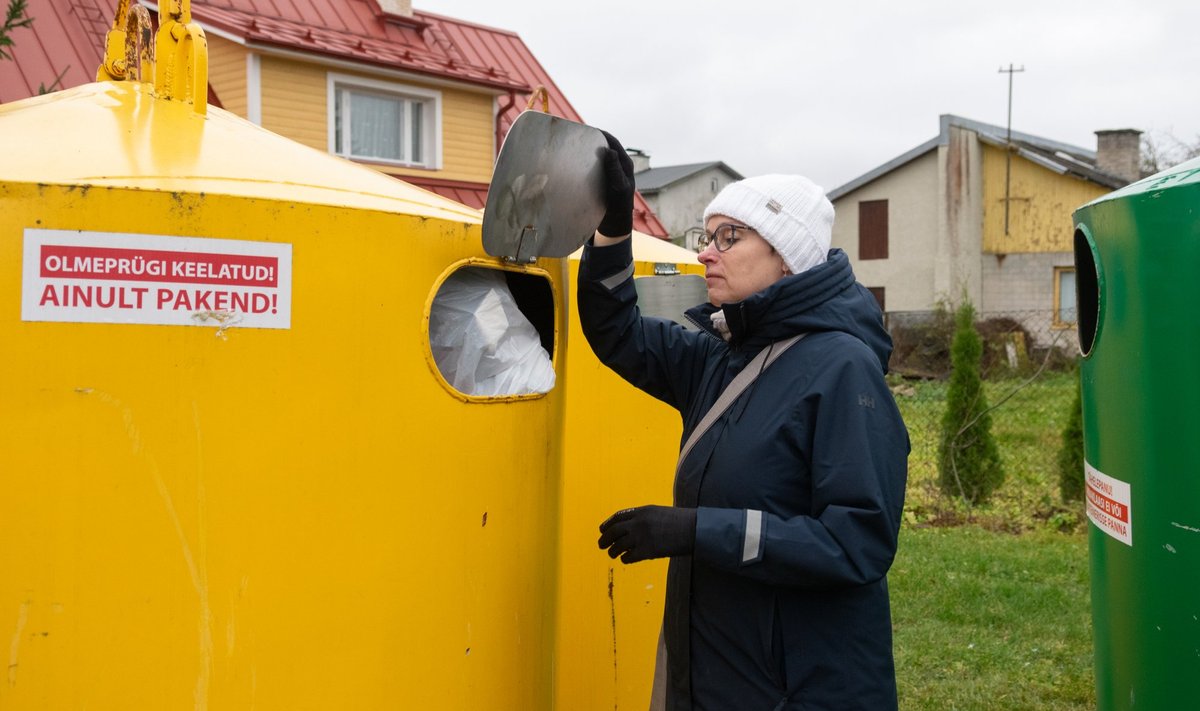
(1008, 139)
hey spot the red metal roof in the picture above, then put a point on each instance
(354, 30)
(67, 37)
(502, 48)
(461, 191)
(490, 46)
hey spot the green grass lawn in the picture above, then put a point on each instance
(1028, 429)
(991, 603)
(990, 620)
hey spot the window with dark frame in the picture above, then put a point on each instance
(873, 229)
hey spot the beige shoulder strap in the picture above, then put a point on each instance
(765, 357)
(740, 382)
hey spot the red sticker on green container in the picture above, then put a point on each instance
(1108, 504)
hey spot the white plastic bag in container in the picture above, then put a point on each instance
(482, 343)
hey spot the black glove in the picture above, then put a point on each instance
(618, 189)
(649, 532)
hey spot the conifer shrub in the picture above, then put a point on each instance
(1070, 454)
(968, 460)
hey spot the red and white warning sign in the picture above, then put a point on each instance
(104, 277)
(1108, 502)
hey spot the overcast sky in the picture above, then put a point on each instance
(832, 89)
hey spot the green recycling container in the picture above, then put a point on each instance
(1137, 259)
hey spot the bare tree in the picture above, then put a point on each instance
(1162, 150)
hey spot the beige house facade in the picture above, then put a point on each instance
(972, 214)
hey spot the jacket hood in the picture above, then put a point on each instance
(824, 298)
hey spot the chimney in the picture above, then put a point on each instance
(400, 8)
(641, 161)
(1119, 153)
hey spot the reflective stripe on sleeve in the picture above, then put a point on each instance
(617, 279)
(752, 543)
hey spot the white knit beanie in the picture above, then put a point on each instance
(789, 211)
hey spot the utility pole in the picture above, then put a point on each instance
(1008, 139)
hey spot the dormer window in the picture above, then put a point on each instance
(382, 122)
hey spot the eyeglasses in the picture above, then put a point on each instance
(724, 237)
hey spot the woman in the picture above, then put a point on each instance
(787, 508)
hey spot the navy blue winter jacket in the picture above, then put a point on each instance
(799, 488)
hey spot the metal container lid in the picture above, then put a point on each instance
(545, 198)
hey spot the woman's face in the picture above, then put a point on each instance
(747, 266)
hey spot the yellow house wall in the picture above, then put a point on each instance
(1040, 208)
(295, 97)
(468, 131)
(294, 101)
(227, 73)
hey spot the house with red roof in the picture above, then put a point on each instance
(419, 96)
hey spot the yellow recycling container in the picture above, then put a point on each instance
(234, 479)
(237, 472)
(620, 447)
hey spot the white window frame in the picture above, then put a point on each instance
(1058, 308)
(431, 98)
(254, 88)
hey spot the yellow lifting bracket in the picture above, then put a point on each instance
(181, 71)
(178, 58)
(127, 46)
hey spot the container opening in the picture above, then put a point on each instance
(491, 332)
(1087, 291)
(535, 299)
